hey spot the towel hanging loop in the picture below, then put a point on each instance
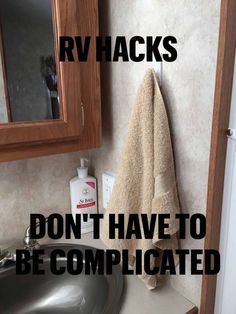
(158, 68)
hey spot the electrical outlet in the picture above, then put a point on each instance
(108, 180)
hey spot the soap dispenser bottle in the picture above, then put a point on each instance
(83, 191)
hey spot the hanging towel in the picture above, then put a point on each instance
(145, 181)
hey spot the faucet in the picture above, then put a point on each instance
(9, 255)
(29, 243)
(6, 257)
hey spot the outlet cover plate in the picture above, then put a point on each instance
(108, 180)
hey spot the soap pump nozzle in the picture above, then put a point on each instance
(83, 170)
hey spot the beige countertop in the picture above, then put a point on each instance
(137, 298)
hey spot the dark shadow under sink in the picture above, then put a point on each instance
(60, 294)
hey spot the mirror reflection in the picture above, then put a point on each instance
(27, 67)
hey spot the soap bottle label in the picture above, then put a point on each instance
(84, 201)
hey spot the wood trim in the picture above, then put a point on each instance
(67, 15)
(45, 149)
(193, 311)
(91, 136)
(4, 73)
(222, 103)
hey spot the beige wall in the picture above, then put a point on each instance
(41, 185)
(188, 88)
(35, 185)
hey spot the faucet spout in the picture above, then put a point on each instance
(30, 243)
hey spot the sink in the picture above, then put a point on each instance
(60, 294)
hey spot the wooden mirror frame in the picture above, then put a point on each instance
(220, 124)
(80, 126)
(65, 22)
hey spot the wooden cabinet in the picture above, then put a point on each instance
(79, 124)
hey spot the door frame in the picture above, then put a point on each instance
(221, 113)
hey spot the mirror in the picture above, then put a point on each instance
(27, 66)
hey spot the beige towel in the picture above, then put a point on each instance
(145, 181)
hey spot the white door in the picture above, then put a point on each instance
(226, 281)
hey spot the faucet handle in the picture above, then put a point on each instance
(5, 256)
(3, 253)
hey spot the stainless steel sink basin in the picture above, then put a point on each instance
(57, 294)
